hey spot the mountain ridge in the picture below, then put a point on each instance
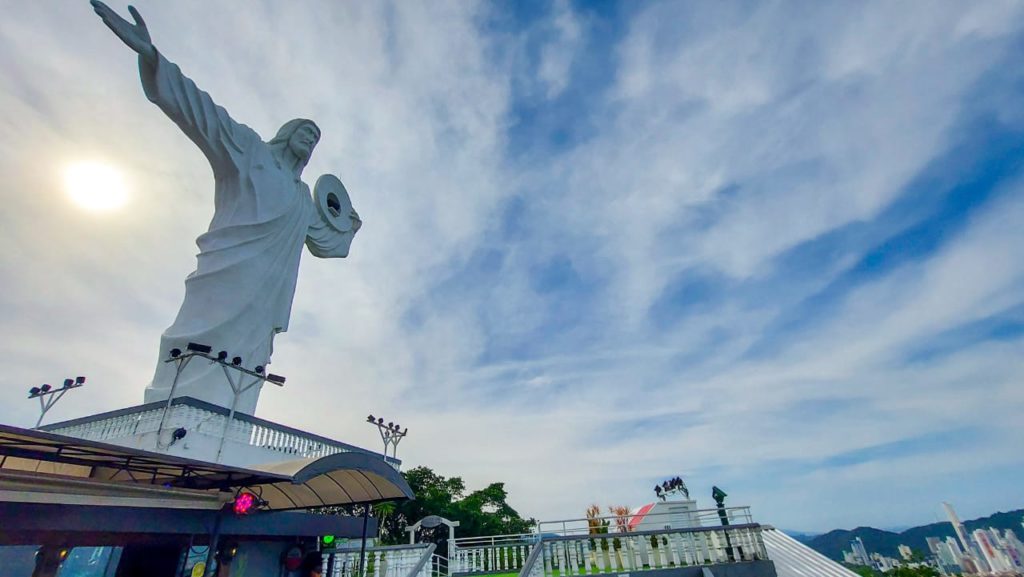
(833, 543)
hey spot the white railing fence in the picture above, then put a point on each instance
(199, 418)
(677, 519)
(645, 550)
(396, 561)
(438, 566)
(492, 554)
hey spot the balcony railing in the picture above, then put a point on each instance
(202, 419)
(492, 554)
(397, 561)
(678, 538)
(645, 550)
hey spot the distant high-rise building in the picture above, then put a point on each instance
(949, 559)
(958, 527)
(995, 559)
(907, 553)
(860, 552)
(933, 544)
(954, 547)
(1015, 548)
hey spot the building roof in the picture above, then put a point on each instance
(338, 479)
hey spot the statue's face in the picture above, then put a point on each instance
(303, 141)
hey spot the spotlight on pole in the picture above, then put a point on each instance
(199, 348)
(222, 355)
(236, 361)
(48, 396)
(390, 433)
(175, 353)
(277, 379)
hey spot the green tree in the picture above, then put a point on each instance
(920, 571)
(862, 570)
(479, 513)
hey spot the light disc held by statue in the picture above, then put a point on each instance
(333, 202)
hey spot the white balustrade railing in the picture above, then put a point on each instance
(496, 553)
(675, 519)
(628, 552)
(397, 561)
(200, 418)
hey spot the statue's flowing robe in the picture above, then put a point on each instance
(240, 294)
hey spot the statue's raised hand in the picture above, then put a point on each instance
(136, 36)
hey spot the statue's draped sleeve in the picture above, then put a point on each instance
(221, 139)
(324, 241)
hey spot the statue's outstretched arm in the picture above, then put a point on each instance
(136, 36)
(210, 126)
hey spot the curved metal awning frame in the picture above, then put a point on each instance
(339, 479)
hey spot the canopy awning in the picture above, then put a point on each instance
(338, 479)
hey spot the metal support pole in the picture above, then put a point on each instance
(214, 539)
(170, 397)
(362, 546)
(237, 390)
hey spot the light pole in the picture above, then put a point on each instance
(48, 396)
(390, 433)
(675, 485)
(193, 350)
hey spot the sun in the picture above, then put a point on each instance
(95, 186)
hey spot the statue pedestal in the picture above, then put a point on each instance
(249, 440)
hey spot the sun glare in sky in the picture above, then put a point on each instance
(95, 186)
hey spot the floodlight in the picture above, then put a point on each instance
(236, 361)
(175, 353)
(222, 355)
(405, 431)
(380, 421)
(244, 503)
(45, 388)
(391, 425)
(275, 378)
(79, 380)
(179, 433)
(259, 369)
(370, 419)
(199, 348)
(68, 382)
(33, 391)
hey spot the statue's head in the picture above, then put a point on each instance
(300, 137)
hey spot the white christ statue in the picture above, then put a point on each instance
(240, 294)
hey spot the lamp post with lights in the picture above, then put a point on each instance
(234, 374)
(390, 433)
(48, 396)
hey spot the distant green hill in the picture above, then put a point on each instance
(833, 543)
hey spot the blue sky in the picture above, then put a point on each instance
(774, 247)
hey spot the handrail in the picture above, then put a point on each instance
(612, 523)
(537, 552)
(711, 529)
(423, 560)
